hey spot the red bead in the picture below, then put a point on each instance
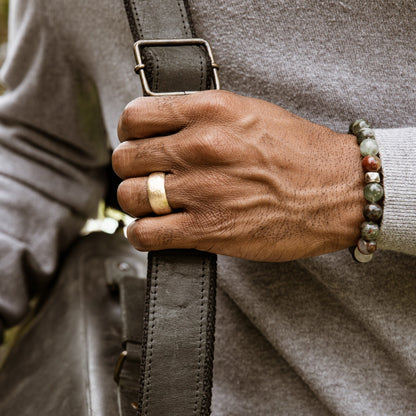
(371, 163)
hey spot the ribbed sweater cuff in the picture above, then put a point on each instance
(398, 157)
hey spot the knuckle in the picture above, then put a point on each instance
(116, 161)
(214, 146)
(123, 124)
(140, 236)
(207, 143)
(124, 195)
(217, 103)
(121, 159)
(191, 226)
(209, 228)
(218, 222)
(127, 119)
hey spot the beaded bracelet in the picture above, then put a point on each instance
(363, 251)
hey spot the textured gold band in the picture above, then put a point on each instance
(157, 194)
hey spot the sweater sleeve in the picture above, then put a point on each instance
(53, 150)
(398, 157)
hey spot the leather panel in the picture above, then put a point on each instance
(64, 362)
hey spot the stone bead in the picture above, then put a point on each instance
(371, 163)
(368, 147)
(365, 133)
(357, 125)
(369, 230)
(360, 257)
(373, 212)
(366, 247)
(373, 192)
(372, 177)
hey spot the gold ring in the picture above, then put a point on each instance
(157, 194)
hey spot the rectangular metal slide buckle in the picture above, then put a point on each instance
(139, 68)
(119, 366)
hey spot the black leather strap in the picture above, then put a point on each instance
(169, 68)
(176, 371)
(178, 341)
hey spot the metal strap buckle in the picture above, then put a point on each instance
(132, 354)
(139, 68)
(119, 366)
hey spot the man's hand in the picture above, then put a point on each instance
(244, 177)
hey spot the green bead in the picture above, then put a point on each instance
(366, 247)
(365, 133)
(369, 230)
(368, 147)
(355, 126)
(373, 192)
(373, 212)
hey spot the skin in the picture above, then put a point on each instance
(245, 178)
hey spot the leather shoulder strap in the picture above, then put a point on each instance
(169, 68)
(178, 341)
(179, 334)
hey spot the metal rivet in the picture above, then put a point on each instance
(123, 266)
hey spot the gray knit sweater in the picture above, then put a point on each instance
(320, 336)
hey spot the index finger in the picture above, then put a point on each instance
(160, 116)
(153, 116)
